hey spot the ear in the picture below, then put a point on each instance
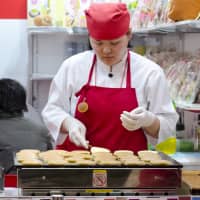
(90, 41)
(129, 34)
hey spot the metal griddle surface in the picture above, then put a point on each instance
(174, 164)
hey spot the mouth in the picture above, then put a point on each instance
(108, 58)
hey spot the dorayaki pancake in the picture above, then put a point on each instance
(147, 155)
(98, 149)
(159, 162)
(28, 151)
(56, 161)
(32, 162)
(132, 162)
(80, 152)
(108, 162)
(123, 153)
(83, 162)
(128, 157)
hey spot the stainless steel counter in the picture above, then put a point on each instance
(189, 160)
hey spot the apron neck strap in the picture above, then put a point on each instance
(92, 69)
(128, 74)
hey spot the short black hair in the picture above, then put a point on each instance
(12, 97)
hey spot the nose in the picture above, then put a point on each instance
(107, 49)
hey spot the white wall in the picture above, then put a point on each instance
(14, 50)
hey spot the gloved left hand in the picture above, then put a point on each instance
(137, 118)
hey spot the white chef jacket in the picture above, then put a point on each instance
(147, 78)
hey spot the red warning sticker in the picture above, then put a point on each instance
(99, 178)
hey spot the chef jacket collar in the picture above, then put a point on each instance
(116, 69)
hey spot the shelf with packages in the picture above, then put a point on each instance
(54, 29)
(184, 44)
(187, 26)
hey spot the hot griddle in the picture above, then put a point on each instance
(100, 180)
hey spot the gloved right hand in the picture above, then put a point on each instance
(137, 118)
(76, 131)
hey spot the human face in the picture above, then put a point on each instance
(110, 51)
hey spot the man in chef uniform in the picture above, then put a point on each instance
(109, 97)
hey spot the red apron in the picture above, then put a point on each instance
(102, 119)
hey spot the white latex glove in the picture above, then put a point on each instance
(137, 118)
(76, 131)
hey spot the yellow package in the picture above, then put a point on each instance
(183, 9)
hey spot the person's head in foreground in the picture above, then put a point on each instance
(12, 97)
